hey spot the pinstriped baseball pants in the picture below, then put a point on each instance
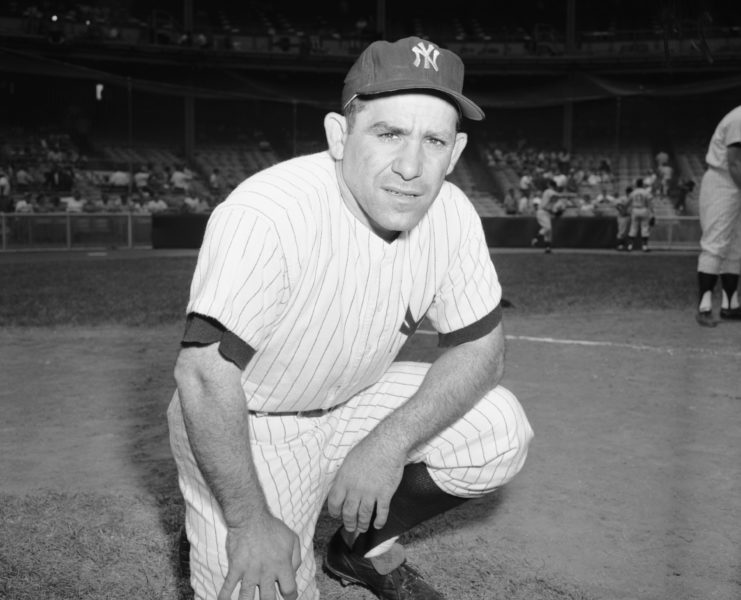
(720, 219)
(296, 459)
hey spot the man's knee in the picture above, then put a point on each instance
(496, 435)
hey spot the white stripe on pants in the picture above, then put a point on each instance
(296, 459)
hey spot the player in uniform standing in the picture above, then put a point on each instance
(549, 207)
(720, 220)
(311, 277)
(622, 207)
(640, 202)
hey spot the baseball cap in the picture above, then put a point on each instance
(409, 64)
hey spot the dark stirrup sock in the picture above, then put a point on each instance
(705, 283)
(729, 281)
(417, 499)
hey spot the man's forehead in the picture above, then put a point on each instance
(407, 110)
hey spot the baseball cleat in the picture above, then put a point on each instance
(705, 318)
(400, 583)
(732, 314)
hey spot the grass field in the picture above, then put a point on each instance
(103, 543)
(146, 292)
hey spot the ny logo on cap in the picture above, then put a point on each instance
(430, 55)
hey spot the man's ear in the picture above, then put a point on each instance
(461, 139)
(335, 128)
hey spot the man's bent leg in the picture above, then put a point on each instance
(288, 457)
(474, 456)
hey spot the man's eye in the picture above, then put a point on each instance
(388, 135)
(436, 141)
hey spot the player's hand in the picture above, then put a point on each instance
(366, 480)
(262, 554)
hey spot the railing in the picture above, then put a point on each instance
(78, 231)
(73, 231)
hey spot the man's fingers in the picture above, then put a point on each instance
(382, 514)
(335, 500)
(246, 592)
(232, 578)
(287, 585)
(267, 590)
(350, 514)
(296, 556)
(365, 514)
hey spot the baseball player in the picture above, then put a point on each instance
(622, 207)
(720, 220)
(640, 203)
(311, 277)
(550, 206)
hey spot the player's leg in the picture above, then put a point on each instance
(730, 308)
(719, 208)
(632, 231)
(477, 454)
(288, 454)
(645, 233)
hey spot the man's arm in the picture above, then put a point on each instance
(372, 470)
(261, 549)
(734, 163)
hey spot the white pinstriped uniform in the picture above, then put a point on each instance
(720, 202)
(327, 305)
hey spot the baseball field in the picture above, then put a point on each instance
(631, 491)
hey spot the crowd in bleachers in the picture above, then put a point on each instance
(590, 183)
(43, 174)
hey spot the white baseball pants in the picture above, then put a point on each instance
(297, 457)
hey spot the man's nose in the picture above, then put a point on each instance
(409, 160)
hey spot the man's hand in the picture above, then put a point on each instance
(366, 480)
(261, 555)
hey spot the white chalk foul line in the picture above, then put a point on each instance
(606, 344)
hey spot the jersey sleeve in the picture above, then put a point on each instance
(240, 279)
(467, 303)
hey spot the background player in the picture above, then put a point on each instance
(311, 277)
(640, 206)
(720, 220)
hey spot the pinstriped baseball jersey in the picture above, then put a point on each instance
(326, 304)
(726, 133)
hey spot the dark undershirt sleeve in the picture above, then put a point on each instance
(203, 331)
(473, 331)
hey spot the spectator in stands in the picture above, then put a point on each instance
(23, 179)
(526, 183)
(156, 205)
(665, 175)
(683, 190)
(216, 183)
(4, 184)
(180, 180)
(141, 178)
(75, 203)
(119, 179)
(24, 205)
(510, 202)
(563, 159)
(586, 206)
(560, 179)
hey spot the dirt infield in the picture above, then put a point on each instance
(631, 491)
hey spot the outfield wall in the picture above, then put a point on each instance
(71, 231)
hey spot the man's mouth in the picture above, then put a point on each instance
(402, 193)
